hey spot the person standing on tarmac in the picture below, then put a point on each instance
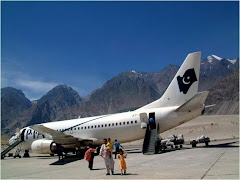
(89, 156)
(109, 162)
(60, 152)
(117, 145)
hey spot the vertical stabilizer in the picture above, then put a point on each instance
(183, 86)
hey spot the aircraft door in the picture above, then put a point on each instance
(152, 122)
(144, 120)
(23, 134)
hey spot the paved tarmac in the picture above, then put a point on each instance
(218, 161)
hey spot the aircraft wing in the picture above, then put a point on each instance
(58, 136)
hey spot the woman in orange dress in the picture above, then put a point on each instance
(122, 162)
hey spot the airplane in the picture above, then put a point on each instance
(180, 103)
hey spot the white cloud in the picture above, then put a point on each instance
(37, 86)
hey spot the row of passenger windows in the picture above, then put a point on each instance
(99, 126)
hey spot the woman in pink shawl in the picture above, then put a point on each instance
(89, 156)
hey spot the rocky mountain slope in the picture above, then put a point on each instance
(125, 91)
(13, 103)
(225, 95)
(51, 107)
(214, 69)
(129, 90)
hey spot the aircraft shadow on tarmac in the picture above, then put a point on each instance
(223, 145)
(96, 169)
(124, 174)
(66, 160)
(44, 157)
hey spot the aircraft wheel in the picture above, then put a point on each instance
(78, 152)
(206, 143)
(181, 146)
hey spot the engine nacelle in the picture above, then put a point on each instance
(43, 146)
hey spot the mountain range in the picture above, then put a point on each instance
(126, 91)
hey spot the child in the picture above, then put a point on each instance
(109, 147)
(122, 162)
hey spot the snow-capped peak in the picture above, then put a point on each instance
(210, 58)
(138, 73)
(216, 57)
(232, 61)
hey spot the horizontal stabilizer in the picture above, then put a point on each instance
(195, 102)
(211, 105)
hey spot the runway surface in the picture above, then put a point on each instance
(218, 161)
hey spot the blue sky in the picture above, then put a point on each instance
(84, 44)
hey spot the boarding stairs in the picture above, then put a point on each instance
(150, 140)
(17, 142)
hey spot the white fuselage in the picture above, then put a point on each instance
(124, 127)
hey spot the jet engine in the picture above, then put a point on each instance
(43, 146)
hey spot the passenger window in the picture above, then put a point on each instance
(123, 123)
(131, 122)
(116, 124)
(81, 127)
(88, 127)
(135, 121)
(98, 126)
(95, 126)
(102, 125)
(91, 126)
(109, 125)
(105, 125)
(85, 127)
(127, 122)
(78, 128)
(112, 124)
(120, 123)
(74, 128)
